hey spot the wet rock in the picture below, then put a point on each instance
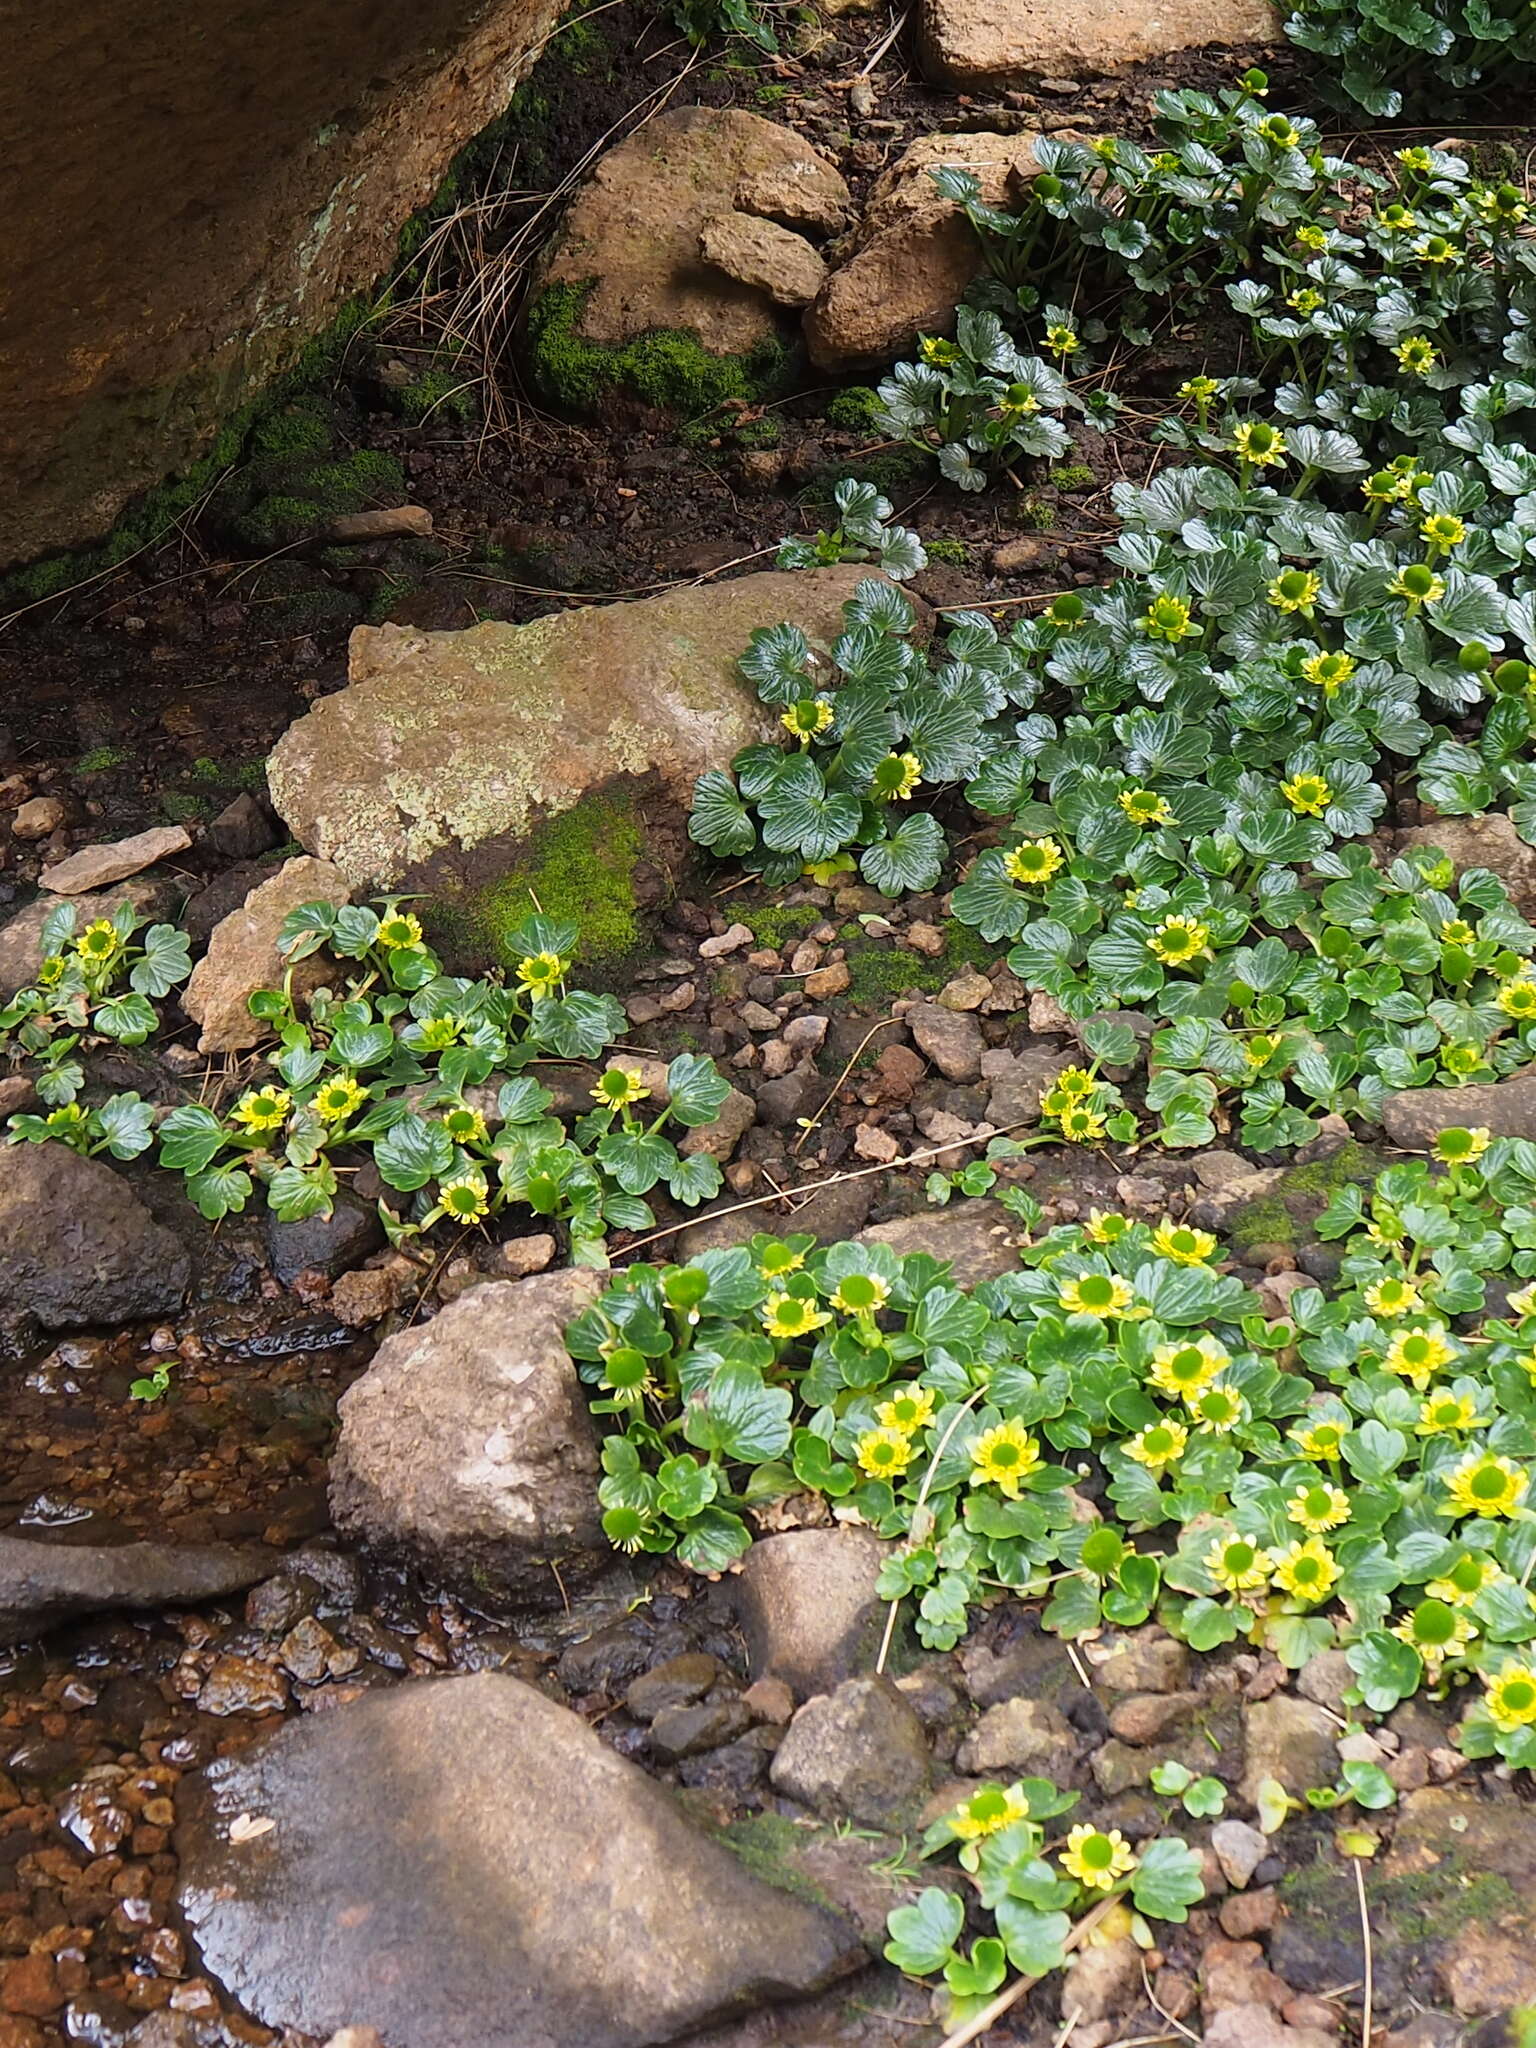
(1415, 1118)
(808, 1608)
(807, 194)
(763, 255)
(970, 43)
(630, 238)
(856, 1753)
(242, 1685)
(950, 1038)
(1292, 1740)
(324, 1244)
(439, 1914)
(97, 867)
(77, 1246)
(373, 1292)
(914, 255)
(242, 956)
(467, 1447)
(683, 1731)
(548, 711)
(975, 1238)
(677, 1682)
(1020, 1738)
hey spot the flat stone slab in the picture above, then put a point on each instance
(463, 1860)
(1007, 42)
(97, 867)
(42, 1584)
(446, 741)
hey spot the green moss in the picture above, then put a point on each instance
(580, 865)
(877, 974)
(1072, 476)
(1266, 1221)
(442, 393)
(775, 924)
(1419, 1908)
(251, 776)
(771, 95)
(946, 549)
(394, 590)
(205, 769)
(665, 368)
(1039, 514)
(100, 759)
(852, 409)
(182, 808)
(1351, 1161)
(892, 472)
(303, 428)
(769, 1845)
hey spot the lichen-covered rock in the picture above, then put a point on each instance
(467, 1448)
(975, 1238)
(448, 742)
(242, 956)
(77, 1246)
(623, 295)
(760, 253)
(969, 43)
(464, 1860)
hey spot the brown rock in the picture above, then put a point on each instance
(827, 981)
(1246, 1914)
(808, 194)
(369, 1293)
(242, 956)
(968, 43)
(808, 1606)
(719, 1140)
(763, 255)
(1104, 1981)
(97, 867)
(130, 332)
(632, 231)
(38, 817)
(1488, 1973)
(1149, 1716)
(900, 285)
(31, 1987)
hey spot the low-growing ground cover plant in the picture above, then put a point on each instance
(1384, 53)
(1118, 1431)
(429, 1074)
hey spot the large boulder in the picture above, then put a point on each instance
(915, 252)
(42, 1584)
(464, 1860)
(1414, 1118)
(77, 1246)
(467, 1448)
(452, 744)
(626, 263)
(243, 957)
(131, 329)
(969, 43)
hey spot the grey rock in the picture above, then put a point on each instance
(677, 1682)
(1292, 1740)
(1023, 1738)
(952, 1039)
(974, 1237)
(782, 1103)
(77, 1246)
(704, 1724)
(242, 830)
(859, 1753)
(464, 1860)
(324, 1244)
(1145, 1661)
(467, 1447)
(42, 1584)
(1240, 1849)
(808, 1609)
(1326, 1678)
(1416, 1117)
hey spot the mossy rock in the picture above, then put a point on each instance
(667, 368)
(1286, 1214)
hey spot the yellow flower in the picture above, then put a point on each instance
(1305, 301)
(988, 1812)
(1061, 341)
(1097, 1859)
(542, 973)
(1158, 1445)
(1463, 1147)
(338, 1099)
(1396, 220)
(1455, 931)
(99, 942)
(1237, 1564)
(1199, 390)
(895, 778)
(812, 715)
(1032, 862)
(400, 930)
(1437, 1631)
(619, 1087)
(1108, 1226)
(1418, 584)
(1185, 1246)
(1168, 618)
(1096, 1294)
(909, 1411)
(790, 1315)
(1322, 1442)
(262, 1109)
(1294, 590)
(464, 1125)
(1438, 252)
(1215, 1410)
(1517, 999)
(1075, 1083)
(1179, 940)
(1392, 1298)
(1486, 1486)
(1468, 1577)
(1145, 807)
(463, 1200)
(1318, 1507)
(1417, 1355)
(860, 1294)
(883, 1453)
(1523, 1302)
(777, 1258)
(1004, 1457)
(1308, 795)
(1186, 1369)
(1258, 444)
(1307, 1570)
(1328, 671)
(1080, 1125)
(1417, 355)
(1512, 1698)
(1443, 530)
(1447, 1415)
(1312, 237)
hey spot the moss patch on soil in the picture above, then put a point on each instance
(877, 973)
(579, 865)
(1282, 1216)
(666, 368)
